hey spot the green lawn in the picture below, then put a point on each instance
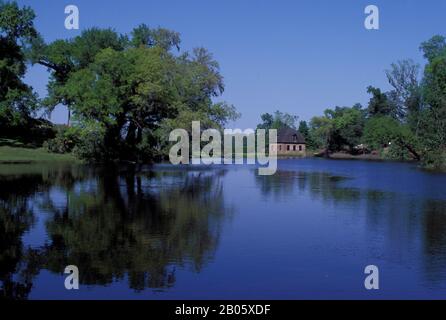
(13, 154)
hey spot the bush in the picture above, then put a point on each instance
(397, 152)
(90, 146)
(65, 140)
(435, 160)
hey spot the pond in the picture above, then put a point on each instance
(223, 232)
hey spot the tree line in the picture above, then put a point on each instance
(126, 92)
(407, 122)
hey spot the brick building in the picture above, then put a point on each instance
(290, 142)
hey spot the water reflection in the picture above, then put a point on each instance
(395, 222)
(320, 185)
(143, 228)
(434, 225)
(16, 218)
(110, 224)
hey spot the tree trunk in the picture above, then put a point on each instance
(139, 135)
(69, 117)
(130, 138)
(413, 152)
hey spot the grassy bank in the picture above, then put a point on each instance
(14, 154)
(347, 156)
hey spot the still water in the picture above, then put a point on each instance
(223, 232)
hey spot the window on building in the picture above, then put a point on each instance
(300, 148)
(288, 148)
(294, 148)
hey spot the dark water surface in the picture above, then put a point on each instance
(223, 232)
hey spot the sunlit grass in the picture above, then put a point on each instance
(10, 154)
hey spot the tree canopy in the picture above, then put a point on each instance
(124, 92)
(17, 99)
(278, 120)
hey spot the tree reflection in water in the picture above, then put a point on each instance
(15, 219)
(111, 224)
(141, 227)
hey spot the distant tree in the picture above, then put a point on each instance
(386, 132)
(434, 47)
(349, 124)
(380, 104)
(339, 128)
(278, 120)
(304, 129)
(267, 121)
(160, 37)
(433, 121)
(406, 93)
(321, 131)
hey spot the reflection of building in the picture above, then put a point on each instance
(289, 142)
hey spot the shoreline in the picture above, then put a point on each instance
(20, 155)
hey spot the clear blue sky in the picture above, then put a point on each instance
(298, 56)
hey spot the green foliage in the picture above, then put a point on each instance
(90, 146)
(63, 58)
(380, 104)
(320, 131)
(433, 121)
(380, 131)
(435, 160)
(127, 92)
(163, 38)
(386, 132)
(348, 125)
(16, 23)
(304, 129)
(131, 89)
(338, 128)
(434, 47)
(408, 122)
(406, 95)
(65, 140)
(278, 120)
(17, 100)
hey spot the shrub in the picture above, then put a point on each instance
(90, 146)
(65, 140)
(435, 160)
